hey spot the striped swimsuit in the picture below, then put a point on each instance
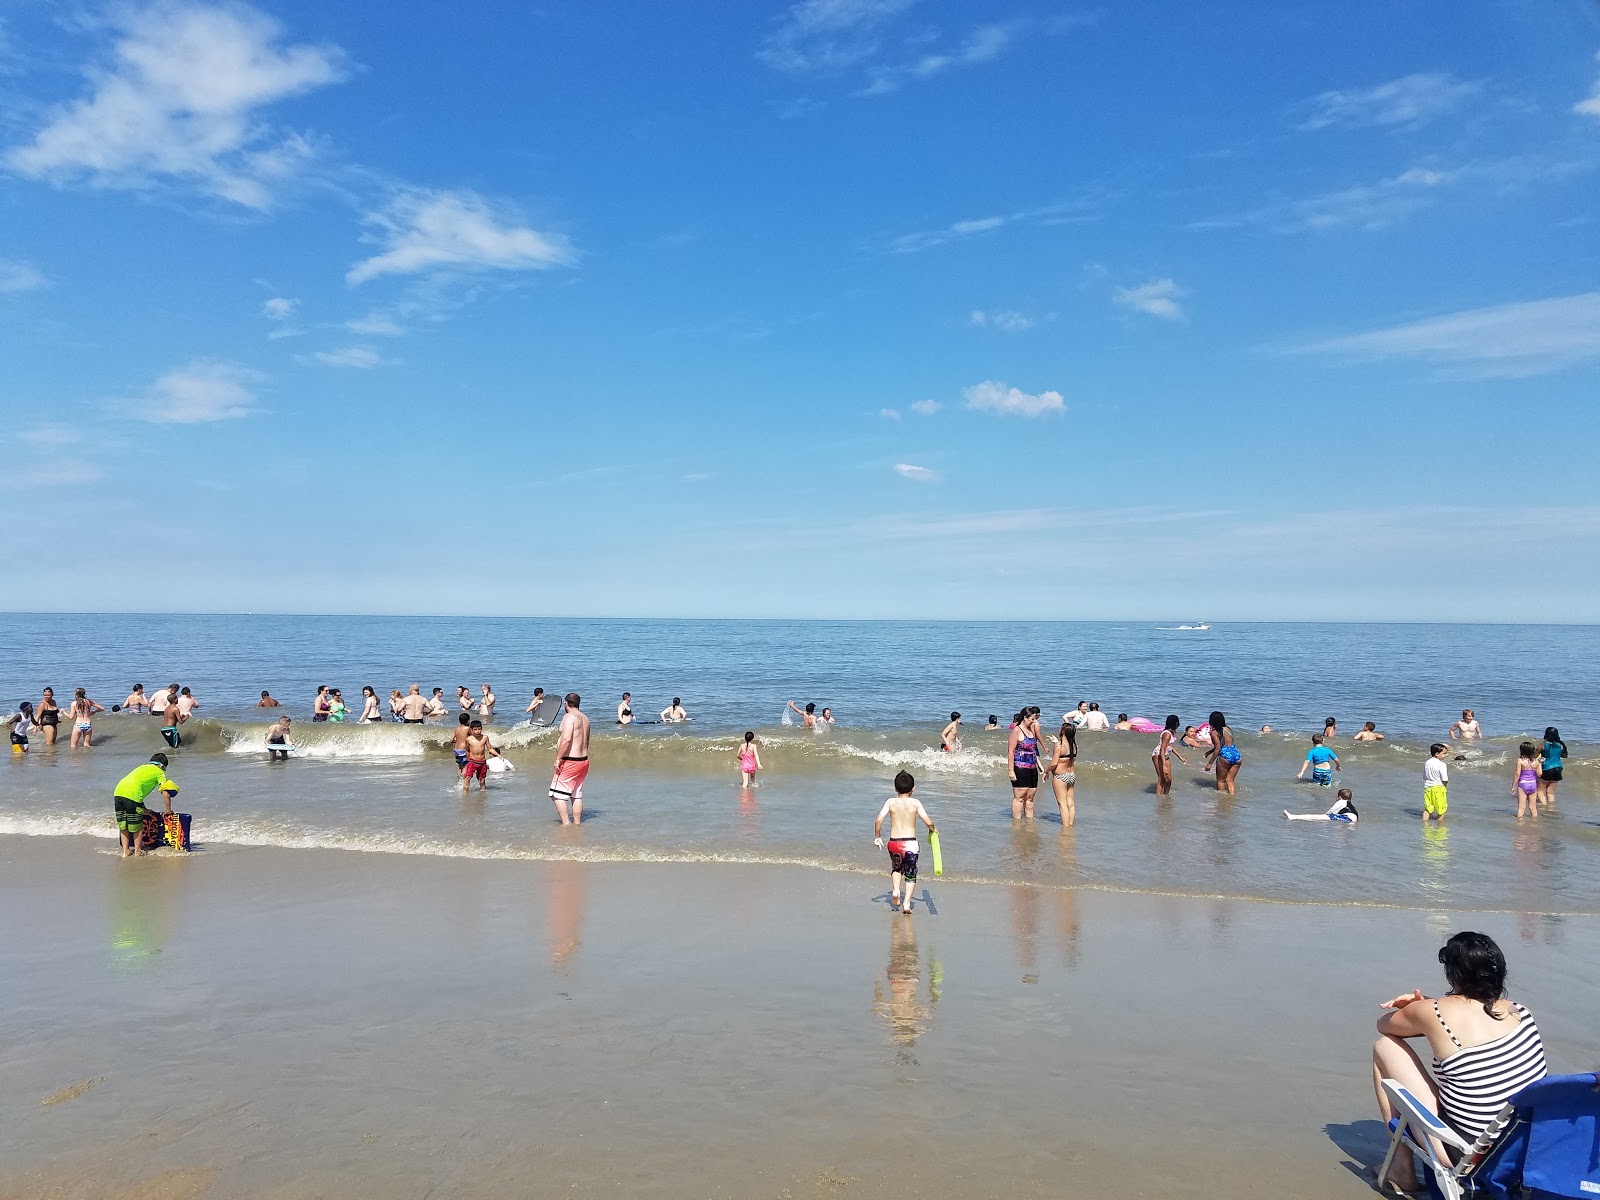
(1476, 1081)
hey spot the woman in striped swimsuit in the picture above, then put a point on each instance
(1485, 1048)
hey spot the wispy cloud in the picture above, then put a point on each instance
(1370, 206)
(1064, 212)
(1007, 320)
(424, 231)
(375, 325)
(1406, 103)
(1158, 298)
(983, 45)
(828, 36)
(889, 414)
(1508, 341)
(203, 390)
(994, 396)
(1591, 106)
(19, 277)
(926, 408)
(361, 358)
(916, 473)
(696, 477)
(178, 100)
(279, 308)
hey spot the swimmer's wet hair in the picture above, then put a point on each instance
(1346, 794)
(904, 783)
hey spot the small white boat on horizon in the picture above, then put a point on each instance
(1195, 628)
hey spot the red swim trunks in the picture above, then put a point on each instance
(475, 769)
(567, 783)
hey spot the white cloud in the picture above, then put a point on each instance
(18, 277)
(826, 36)
(1591, 106)
(1059, 212)
(696, 477)
(1406, 103)
(919, 474)
(375, 325)
(994, 396)
(909, 243)
(982, 45)
(362, 358)
(429, 230)
(178, 100)
(889, 414)
(279, 308)
(1506, 341)
(926, 408)
(1369, 206)
(1158, 298)
(1007, 320)
(203, 390)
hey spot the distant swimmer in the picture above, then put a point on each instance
(1168, 746)
(903, 811)
(673, 713)
(397, 705)
(572, 763)
(826, 718)
(266, 701)
(1467, 728)
(1123, 725)
(1078, 716)
(128, 800)
(1330, 728)
(1223, 755)
(1525, 781)
(994, 723)
(171, 718)
(625, 709)
(1192, 739)
(950, 736)
(1368, 733)
(279, 739)
(486, 704)
(1343, 811)
(371, 708)
(21, 724)
(458, 741)
(537, 702)
(1096, 721)
(435, 706)
(1322, 761)
(82, 713)
(749, 759)
(414, 708)
(464, 699)
(808, 716)
(137, 701)
(1435, 783)
(1266, 729)
(477, 766)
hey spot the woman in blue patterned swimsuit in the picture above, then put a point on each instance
(1223, 755)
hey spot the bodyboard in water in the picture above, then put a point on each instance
(938, 858)
(548, 712)
(161, 829)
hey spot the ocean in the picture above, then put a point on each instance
(671, 794)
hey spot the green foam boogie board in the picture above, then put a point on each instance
(938, 858)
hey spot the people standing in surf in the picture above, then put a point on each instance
(322, 705)
(414, 708)
(749, 760)
(1550, 765)
(371, 709)
(1064, 774)
(826, 719)
(1525, 780)
(903, 811)
(435, 707)
(397, 705)
(458, 741)
(674, 714)
(535, 704)
(625, 709)
(1166, 747)
(808, 715)
(337, 712)
(21, 724)
(1435, 784)
(1022, 752)
(1368, 733)
(171, 718)
(266, 700)
(1321, 761)
(138, 702)
(1223, 755)
(1330, 728)
(950, 735)
(486, 704)
(572, 763)
(82, 714)
(48, 716)
(1467, 728)
(464, 699)
(477, 765)
(187, 704)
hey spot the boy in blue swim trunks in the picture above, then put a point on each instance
(1322, 761)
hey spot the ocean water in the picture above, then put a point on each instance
(671, 793)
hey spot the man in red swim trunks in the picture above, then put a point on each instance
(572, 763)
(477, 764)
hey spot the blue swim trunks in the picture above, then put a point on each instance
(1322, 776)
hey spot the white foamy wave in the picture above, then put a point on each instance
(959, 762)
(58, 825)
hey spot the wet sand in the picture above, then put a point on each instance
(277, 1023)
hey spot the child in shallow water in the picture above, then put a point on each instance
(749, 760)
(1525, 782)
(1343, 811)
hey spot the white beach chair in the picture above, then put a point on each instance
(1415, 1126)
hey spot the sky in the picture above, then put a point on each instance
(840, 308)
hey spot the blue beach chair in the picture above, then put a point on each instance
(1546, 1139)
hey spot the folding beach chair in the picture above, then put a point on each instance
(1546, 1140)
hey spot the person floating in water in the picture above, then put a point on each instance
(749, 759)
(1322, 761)
(1435, 783)
(903, 811)
(1343, 810)
(950, 736)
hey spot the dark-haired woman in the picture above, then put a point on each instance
(1064, 773)
(1549, 766)
(1485, 1047)
(1022, 751)
(1223, 754)
(1161, 755)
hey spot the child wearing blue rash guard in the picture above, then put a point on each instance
(1322, 761)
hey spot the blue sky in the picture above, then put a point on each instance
(841, 308)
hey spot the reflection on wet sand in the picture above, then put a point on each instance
(897, 997)
(566, 914)
(1025, 930)
(1067, 901)
(145, 901)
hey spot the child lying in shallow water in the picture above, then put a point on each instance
(1343, 810)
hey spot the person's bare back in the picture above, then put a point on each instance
(903, 812)
(574, 741)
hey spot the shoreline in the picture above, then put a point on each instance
(278, 1023)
